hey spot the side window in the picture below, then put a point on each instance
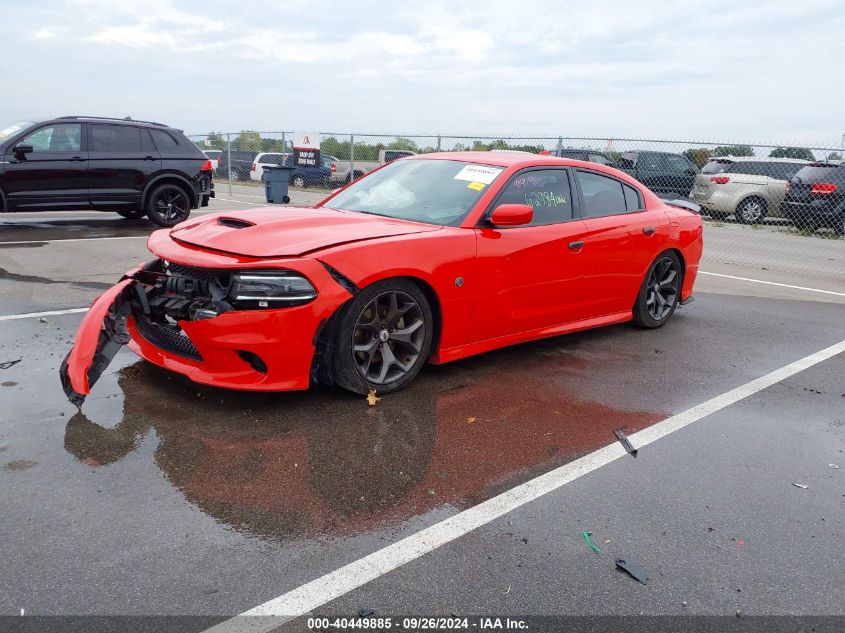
(598, 158)
(677, 164)
(602, 195)
(632, 198)
(163, 140)
(546, 191)
(115, 138)
(63, 137)
(652, 162)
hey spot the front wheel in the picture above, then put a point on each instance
(168, 205)
(383, 337)
(660, 292)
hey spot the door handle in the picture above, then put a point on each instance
(148, 158)
(649, 230)
(575, 246)
(76, 159)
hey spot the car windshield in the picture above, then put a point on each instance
(422, 190)
(14, 129)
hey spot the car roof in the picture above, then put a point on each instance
(114, 121)
(499, 159)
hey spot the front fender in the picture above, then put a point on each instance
(100, 335)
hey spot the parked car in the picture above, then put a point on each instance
(748, 187)
(589, 155)
(318, 176)
(662, 172)
(214, 156)
(133, 168)
(345, 169)
(432, 258)
(815, 197)
(240, 167)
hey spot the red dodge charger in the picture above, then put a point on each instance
(428, 259)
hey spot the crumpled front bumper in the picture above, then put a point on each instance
(260, 350)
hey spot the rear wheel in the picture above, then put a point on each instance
(168, 205)
(298, 181)
(660, 292)
(132, 214)
(383, 337)
(751, 211)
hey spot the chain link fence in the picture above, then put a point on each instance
(767, 207)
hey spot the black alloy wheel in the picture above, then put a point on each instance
(659, 293)
(168, 205)
(383, 337)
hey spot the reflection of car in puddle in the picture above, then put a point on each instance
(281, 466)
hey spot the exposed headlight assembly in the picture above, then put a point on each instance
(270, 289)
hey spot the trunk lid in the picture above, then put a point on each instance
(289, 231)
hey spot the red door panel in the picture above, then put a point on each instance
(529, 278)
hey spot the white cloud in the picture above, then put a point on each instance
(44, 34)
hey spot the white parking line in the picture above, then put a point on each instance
(773, 283)
(320, 591)
(258, 204)
(35, 315)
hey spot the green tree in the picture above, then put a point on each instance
(404, 144)
(247, 140)
(215, 140)
(732, 150)
(698, 155)
(792, 152)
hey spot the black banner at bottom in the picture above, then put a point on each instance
(376, 622)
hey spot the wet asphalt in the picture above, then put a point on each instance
(165, 497)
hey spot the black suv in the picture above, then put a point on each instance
(589, 155)
(133, 168)
(815, 197)
(666, 174)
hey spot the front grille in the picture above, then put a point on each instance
(206, 274)
(166, 338)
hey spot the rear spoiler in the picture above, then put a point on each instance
(681, 203)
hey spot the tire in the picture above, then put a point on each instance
(298, 181)
(168, 205)
(751, 211)
(132, 214)
(392, 315)
(649, 311)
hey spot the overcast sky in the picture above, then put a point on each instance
(768, 71)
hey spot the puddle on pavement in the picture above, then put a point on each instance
(323, 463)
(110, 225)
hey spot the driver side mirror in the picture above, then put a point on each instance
(512, 215)
(21, 150)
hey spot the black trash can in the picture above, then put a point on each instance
(276, 179)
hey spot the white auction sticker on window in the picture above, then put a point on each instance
(478, 173)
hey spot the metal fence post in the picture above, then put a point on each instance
(438, 142)
(284, 145)
(229, 160)
(559, 145)
(351, 158)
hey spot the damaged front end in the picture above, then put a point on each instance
(153, 306)
(157, 296)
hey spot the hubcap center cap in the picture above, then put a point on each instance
(383, 336)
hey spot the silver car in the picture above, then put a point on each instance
(750, 188)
